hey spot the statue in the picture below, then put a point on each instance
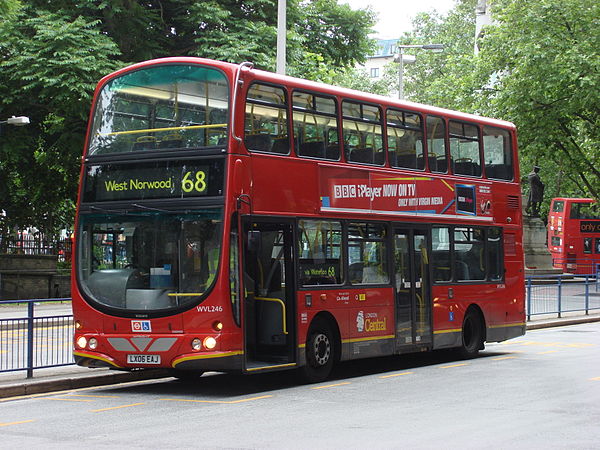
(536, 193)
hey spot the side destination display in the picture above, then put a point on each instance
(153, 180)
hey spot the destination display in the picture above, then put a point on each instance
(357, 190)
(153, 180)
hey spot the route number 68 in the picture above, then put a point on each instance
(194, 182)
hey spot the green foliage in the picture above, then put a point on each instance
(443, 79)
(49, 65)
(538, 67)
(541, 68)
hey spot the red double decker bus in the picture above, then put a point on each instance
(231, 219)
(574, 235)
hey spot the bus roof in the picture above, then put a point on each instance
(320, 87)
(574, 200)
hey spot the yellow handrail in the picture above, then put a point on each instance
(277, 300)
(152, 130)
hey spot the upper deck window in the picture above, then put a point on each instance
(558, 206)
(464, 148)
(363, 133)
(266, 126)
(584, 211)
(436, 144)
(405, 139)
(159, 108)
(497, 151)
(315, 126)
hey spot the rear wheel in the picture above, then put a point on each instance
(472, 335)
(320, 350)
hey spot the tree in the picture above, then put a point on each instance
(443, 79)
(53, 52)
(49, 65)
(543, 60)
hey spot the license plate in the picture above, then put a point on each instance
(143, 359)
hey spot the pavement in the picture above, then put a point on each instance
(15, 384)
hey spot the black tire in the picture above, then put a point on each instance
(472, 335)
(186, 376)
(320, 352)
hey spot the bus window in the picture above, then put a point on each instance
(320, 252)
(469, 254)
(405, 140)
(584, 211)
(440, 254)
(495, 254)
(160, 108)
(149, 261)
(464, 148)
(558, 206)
(497, 153)
(363, 135)
(315, 126)
(265, 126)
(367, 260)
(436, 144)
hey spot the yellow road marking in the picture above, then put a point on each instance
(396, 375)
(331, 385)
(454, 365)
(69, 399)
(503, 357)
(117, 407)
(595, 379)
(14, 423)
(223, 402)
(546, 352)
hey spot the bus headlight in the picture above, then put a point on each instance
(217, 326)
(81, 342)
(210, 343)
(78, 325)
(93, 343)
(196, 344)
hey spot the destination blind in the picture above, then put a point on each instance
(153, 180)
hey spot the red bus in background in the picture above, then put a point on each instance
(231, 219)
(574, 235)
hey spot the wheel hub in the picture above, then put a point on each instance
(322, 349)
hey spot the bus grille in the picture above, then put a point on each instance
(513, 201)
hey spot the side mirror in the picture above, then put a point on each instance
(254, 241)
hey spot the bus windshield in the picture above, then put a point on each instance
(149, 261)
(160, 108)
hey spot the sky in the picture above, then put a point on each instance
(395, 16)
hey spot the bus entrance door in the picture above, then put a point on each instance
(269, 291)
(413, 290)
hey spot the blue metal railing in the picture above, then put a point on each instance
(30, 342)
(35, 342)
(558, 294)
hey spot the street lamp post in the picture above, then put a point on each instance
(281, 36)
(399, 58)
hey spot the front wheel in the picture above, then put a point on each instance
(319, 352)
(472, 336)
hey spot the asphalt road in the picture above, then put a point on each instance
(539, 391)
